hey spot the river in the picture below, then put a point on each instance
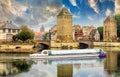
(95, 67)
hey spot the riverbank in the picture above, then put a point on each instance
(29, 48)
(5, 48)
(106, 44)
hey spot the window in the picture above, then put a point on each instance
(14, 31)
(18, 31)
(9, 30)
(3, 30)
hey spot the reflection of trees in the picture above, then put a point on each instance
(118, 64)
(12, 67)
(111, 60)
(22, 65)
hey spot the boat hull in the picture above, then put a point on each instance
(66, 56)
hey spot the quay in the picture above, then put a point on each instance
(5, 48)
(27, 48)
(106, 44)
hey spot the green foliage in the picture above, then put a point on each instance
(25, 34)
(20, 41)
(46, 36)
(34, 41)
(22, 65)
(117, 18)
(100, 30)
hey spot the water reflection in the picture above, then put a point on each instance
(75, 67)
(12, 67)
(65, 70)
(81, 68)
(95, 67)
(112, 62)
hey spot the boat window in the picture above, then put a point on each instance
(45, 52)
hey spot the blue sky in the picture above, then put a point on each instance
(89, 12)
(36, 13)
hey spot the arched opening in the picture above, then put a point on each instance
(118, 61)
(83, 46)
(41, 46)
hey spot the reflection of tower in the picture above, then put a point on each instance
(64, 26)
(111, 62)
(65, 70)
(110, 29)
(42, 29)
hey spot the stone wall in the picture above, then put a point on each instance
(16, 48)
(110, 29)
(62, 44)
(64, 26)
(107, 44)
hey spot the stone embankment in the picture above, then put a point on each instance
(107, 44)
(17, 48)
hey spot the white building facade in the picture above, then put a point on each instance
(8, 30)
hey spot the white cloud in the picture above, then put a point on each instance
(90, 18)
(20, 11)
(73, 2)
(52, 9)
(5, 9)
(108, 12)
(74, 16)
(93, 5)
(117, 6)
(28, 12)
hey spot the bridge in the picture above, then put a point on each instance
(81, 42)
(86, 42)
(42, 45)
(45, 42)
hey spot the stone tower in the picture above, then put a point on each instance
(64, 26)
(42, 29)
(110, 29)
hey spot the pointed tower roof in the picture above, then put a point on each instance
(64, 11)
(110, 18)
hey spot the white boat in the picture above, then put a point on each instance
(62, 54)
(76, 61)
(69, 61)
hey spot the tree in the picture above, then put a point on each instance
(46, 36)
(24, 28)
(25, 34)
(100, 30)
(117, 18)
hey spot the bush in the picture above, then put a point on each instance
(20, 41)
(33, 41)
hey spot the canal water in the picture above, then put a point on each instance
(95, 67)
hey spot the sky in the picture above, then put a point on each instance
(37, 13)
